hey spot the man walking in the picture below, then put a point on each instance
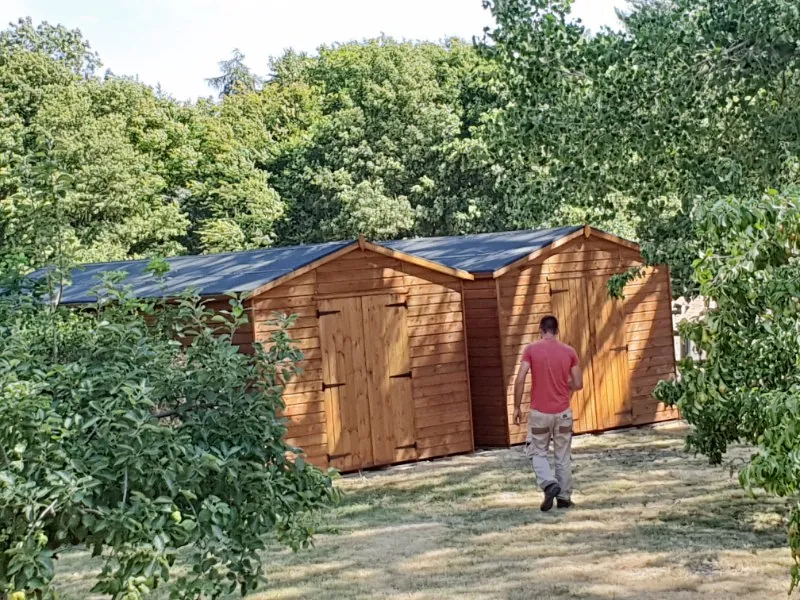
(555, 373)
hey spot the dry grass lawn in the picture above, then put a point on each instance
(651, 522)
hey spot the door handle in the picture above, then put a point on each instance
(406, 375)
(326, 386)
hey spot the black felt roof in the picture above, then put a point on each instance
(207, 274)
(482, 252)
(216, 274)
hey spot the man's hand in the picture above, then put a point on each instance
(575, 378)
(517, 415)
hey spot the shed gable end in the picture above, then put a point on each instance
(433, 345)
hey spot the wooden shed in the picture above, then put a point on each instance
(625, 345)
(385, 369)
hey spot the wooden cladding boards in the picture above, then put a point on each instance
(437, 346)
(651, 355)
(485, 366)
(436, 352)
(465, 340)
(642, 321)
(587, 251)
(571, 305)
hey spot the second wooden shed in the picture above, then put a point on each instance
(625, 345)
(385, 370)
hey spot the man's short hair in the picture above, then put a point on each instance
(549, 324)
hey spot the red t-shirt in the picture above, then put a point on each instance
(550, 362)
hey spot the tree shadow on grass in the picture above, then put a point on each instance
(652, 522)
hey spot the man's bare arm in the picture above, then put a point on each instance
(519, 389)
(575, 378)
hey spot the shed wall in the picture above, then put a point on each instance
(436, 341)
(485, 363)
(524, 297)
(651, 355)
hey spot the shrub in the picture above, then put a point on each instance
(137, 429)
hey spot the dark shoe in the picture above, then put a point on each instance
(550, 493)
(561, 503)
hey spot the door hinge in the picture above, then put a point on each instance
(335, 456)
(406, 447)
(326, 386)
(403, 304)
(406, 375)
(325, 313)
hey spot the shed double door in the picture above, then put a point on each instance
(594, 325)
(366, 372)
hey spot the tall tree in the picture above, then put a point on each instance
(235, 76)
(403, 117)
(65, 46)
(747, 387)
(689, 103)
(151, 176)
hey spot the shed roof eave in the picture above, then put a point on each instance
(307, 268)
(416, 260)
(586, 231)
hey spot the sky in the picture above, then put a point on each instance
(179, 43)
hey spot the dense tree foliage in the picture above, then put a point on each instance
(693, 101)
(398, 149)
(117, 437)
(544, 124)
(748, 387)
(150, 176)
(381, 138)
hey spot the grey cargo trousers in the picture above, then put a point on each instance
(542, 427)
